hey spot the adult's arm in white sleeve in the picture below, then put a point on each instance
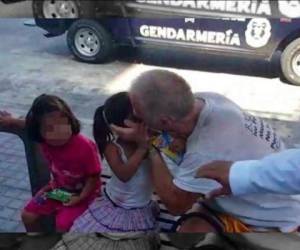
(277, 173)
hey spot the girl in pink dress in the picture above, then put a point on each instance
(73, 163)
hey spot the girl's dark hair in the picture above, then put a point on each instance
(45, 104)
(115, 110)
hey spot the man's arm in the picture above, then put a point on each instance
(278, 173)
(175, 199)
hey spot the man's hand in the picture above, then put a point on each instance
(218, 171)
(75, 199)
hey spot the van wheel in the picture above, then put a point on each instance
(63, 8)
(290, 62)
(90, 42)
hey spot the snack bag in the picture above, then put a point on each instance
(59, 195)
(163, 142)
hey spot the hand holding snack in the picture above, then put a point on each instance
(59, 195)
(74, 200)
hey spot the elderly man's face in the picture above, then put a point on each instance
(162, 124)
(137, 110)
(139, 113)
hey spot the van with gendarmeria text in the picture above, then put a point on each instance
(248, 28)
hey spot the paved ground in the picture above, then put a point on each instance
(21, 9)
(31, 64)
(28, 70)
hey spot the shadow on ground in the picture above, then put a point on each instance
(203, 62)
(184, 59)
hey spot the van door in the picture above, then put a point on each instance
(210, 8)
(219, 8)
(196, 26)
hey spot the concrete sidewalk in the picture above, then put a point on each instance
(16, 10)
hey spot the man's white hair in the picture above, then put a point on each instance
(161, 92)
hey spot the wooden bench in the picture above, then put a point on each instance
(39, 176)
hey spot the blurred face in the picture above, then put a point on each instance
(56, 129)
(160, 124)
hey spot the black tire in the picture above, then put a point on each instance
(288, 58)
(86, 9)
(107, 46)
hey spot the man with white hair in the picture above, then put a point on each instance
(213, 128)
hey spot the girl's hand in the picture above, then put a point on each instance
(11, 122)
(143, 138)
(41, 196)
(44, 190)
(136, 132)
(5, 117)
(128, 133)
(4, 113)
(75, 199)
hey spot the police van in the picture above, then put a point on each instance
(248, 28)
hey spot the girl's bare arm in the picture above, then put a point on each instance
(124, 171)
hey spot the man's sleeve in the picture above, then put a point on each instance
(184, 177)
(278, 173)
